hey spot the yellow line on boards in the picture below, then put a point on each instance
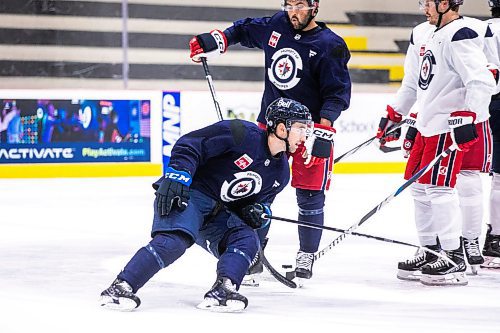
(79, 170)
(149, 169)
(382, 167)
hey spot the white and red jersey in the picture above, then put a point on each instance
(447, 69)
(492, 44)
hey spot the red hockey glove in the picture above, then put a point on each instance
(207, 45)
(318, 146)
(463, 130)
(409, 140)
(390, 119)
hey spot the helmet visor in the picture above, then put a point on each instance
(301, 125)
(290, 8)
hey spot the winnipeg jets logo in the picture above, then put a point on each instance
(243, 185)
(285, 67)
(274, 39)
(312, 54)
(243, 162)
(426, 73)
(276, 184)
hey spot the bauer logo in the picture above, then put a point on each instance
(171, 124)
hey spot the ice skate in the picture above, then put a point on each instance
(119, 296)
(253, 275)
(491, 251)
(410, 270)
(223, 297)
(443, 273)
(472, 253)
(303, 267)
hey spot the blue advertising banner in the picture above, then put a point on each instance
(72, 130)
(171, 123)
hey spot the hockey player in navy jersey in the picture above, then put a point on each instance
(491, 249)
(307, 62)
(220, 181)
(446, 75)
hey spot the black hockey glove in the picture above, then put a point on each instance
(253, 215)
(173, 191)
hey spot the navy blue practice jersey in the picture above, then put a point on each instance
(230, 161)
(308, 66)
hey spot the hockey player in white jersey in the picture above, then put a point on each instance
(446, 75)
(491, 249)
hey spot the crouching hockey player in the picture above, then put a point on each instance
(220, 181)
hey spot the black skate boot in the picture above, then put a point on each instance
(409, 270)
(443, 273)
(119, 296)
(223, 297)
(472, 253)
(304, 265)
(252, 276)
(491, 250)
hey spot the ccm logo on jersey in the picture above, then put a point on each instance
(274, 39)
(243, 162)
(322, 134)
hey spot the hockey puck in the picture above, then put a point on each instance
(286, 266)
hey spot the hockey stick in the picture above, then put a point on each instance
(324, 227)
(367, 143)
(387, 240)
(211, 87)
(410, 181)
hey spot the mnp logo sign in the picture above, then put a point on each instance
(171, 124)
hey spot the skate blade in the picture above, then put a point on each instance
(409, 276)
(120, 304)
(474, 270)
(213, 305)
(491, 263)
(453, 279)
(252, 280)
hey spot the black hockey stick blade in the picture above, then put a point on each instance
(386, 149)
(287, 282)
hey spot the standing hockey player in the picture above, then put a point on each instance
(491, 249)
(307, 62)
(446, 74)
(220, 181)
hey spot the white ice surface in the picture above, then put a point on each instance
(62, 241)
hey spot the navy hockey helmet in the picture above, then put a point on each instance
(494, 3)
(287, 111)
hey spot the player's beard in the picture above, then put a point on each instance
(299, 25)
